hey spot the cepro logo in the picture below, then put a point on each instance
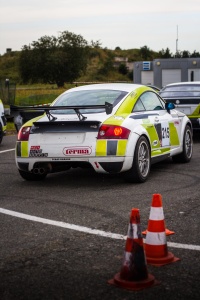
(35, 148)
(77, 151)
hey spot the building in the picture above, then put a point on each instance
(160, 72)
(122, 60)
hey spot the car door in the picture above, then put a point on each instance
(166, 125)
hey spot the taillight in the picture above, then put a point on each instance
(23, 134)
(113, 132)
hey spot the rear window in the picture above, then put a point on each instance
(89, 97)
(180, 91)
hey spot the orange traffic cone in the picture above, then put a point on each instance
(134, 274)
(167, 231)
(156, 242)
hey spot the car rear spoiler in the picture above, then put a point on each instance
(47, 108)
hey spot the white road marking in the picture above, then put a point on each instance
(7, 150)
(86, 229)
(61, 224)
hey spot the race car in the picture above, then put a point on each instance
(113, 128)
(2, 122)
(186, 97)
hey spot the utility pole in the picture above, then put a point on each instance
(177, 43)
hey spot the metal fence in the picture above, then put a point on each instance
(7, 92)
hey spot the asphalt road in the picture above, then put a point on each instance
(45, 253)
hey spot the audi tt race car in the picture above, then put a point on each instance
(113, 128)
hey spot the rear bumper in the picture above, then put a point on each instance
(99, 164)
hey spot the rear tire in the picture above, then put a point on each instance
(140, 169)
(31, 176)
(186, 155)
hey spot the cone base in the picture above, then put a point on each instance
(133, 285)
(161, 261)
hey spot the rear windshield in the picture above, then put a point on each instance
(88, 97)
(180, 91)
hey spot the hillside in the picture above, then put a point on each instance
(101, 66)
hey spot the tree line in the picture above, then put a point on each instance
(147, 53)
(57, 60)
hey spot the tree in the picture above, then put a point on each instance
(123, 69)
(185, 54)
(95, 44)
(54, 60)
(178, 54)
(165, 53)
(195, 54)
(145, 53)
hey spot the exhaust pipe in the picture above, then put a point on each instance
(42, 170)
(39, 170)
(36, 171)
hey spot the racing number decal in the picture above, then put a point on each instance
(163, 133)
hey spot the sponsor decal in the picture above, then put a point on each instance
(35, 147)
(155, 143)
(60, 159)
(77, 151)
(96, 164)
(118, 118)
(176, 123)
(133, 94)
(35, 151)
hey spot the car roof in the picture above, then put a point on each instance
(183, 83)
(127, 87)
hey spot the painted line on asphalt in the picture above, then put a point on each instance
(61, 224)
(7, 150)
(86, 229)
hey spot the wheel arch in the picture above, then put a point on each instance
(190, 125)
(141, 161)
(187, 123)
(132, 146)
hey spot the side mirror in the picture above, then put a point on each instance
(169, 106)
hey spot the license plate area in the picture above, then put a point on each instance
(61, 138)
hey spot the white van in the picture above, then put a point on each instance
(2, 121)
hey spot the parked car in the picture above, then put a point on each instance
(186, 97)
(2, 122)
(113, 128)
(157, 89)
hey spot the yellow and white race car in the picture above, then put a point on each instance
(113, 128)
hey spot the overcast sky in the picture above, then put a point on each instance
(126, 24)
